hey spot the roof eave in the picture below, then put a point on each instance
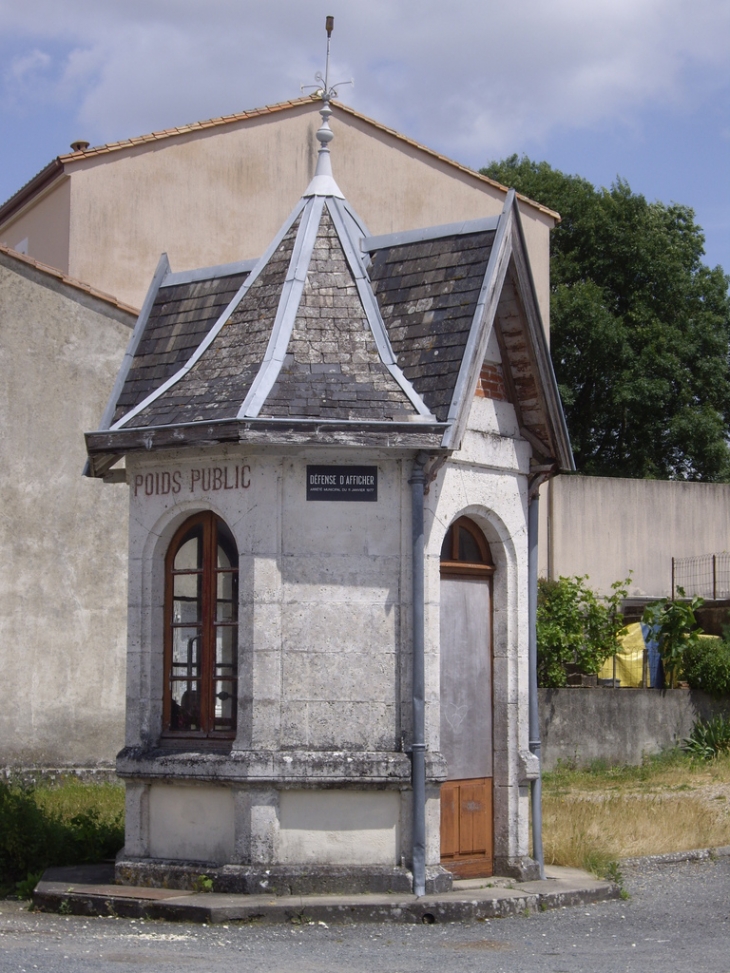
(34, 186)
(105, 447)
(562, 450)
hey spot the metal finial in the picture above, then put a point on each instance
(323, 182)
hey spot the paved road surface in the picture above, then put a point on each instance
(676, 921)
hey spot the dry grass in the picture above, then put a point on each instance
(672, 803)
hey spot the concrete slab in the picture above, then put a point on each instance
(62, 890)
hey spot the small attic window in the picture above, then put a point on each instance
(465, 550)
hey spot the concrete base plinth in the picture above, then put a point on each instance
(523, 868)
(275, 879)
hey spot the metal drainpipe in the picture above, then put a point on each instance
(418, 746)
(533, 510)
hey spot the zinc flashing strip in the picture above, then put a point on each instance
(161, 272)
(209, 273)
(372, 311)
(414, 422)
(286, 311)
(430, 233)
(215, 330)
(481, 327)
(549, 385)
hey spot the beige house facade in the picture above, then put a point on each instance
(216, 192)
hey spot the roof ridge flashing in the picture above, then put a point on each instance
(209, 273)
(463, 228)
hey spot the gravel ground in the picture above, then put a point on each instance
(677, 919)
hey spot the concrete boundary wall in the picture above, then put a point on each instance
(605, 527)
(618, 725)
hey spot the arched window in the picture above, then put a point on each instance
(201, 631)
(465, 550)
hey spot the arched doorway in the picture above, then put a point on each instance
(467, 842)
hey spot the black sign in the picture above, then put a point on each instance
(342, 483)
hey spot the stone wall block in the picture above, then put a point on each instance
(350, 677)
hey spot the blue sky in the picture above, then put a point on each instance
(632, 88)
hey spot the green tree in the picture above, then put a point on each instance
(640, 329)
(576, 627)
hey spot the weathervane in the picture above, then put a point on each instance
(322, 88)
(323, 173)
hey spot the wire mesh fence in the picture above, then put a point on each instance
(707, 575)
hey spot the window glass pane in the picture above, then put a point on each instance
(468, 547)
(446, 554)
(225, 649)
(227, 555)
(202, 585)
(187, 600)
(185, 708)
(185, 651)
(224, 704)
(226, 596)
(190, 553)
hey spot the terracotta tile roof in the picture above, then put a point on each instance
(167, 133)
(70, 281)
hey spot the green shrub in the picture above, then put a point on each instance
(706, 666)
(676, 632)
(575, 627)
(709, 738)
(33, 838)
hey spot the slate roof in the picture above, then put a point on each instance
(428, 292)
(335, 336)
(181, 316)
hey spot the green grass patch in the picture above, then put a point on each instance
(670, 765)
(68, 823)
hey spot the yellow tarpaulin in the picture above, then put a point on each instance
(629, 660)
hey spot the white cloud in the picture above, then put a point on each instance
(472, 79)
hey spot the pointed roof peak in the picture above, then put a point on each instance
(323, 183)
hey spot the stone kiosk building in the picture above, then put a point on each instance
(329, 453)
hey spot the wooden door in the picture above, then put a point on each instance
(466, 705)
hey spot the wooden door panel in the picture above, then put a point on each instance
(449, 820)
(466, 827)
(473, 807)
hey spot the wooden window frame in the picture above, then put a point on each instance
(452, 565)
(208, 572)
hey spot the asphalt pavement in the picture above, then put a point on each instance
(677, 919)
